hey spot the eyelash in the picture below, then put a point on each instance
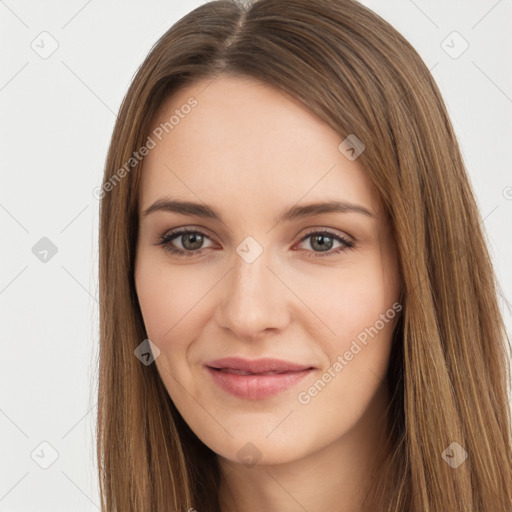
(165, 242)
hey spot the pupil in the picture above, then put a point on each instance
(322, 245)
(193, 239)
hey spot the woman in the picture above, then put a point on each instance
(298, 307)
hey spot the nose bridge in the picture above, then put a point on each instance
(251, 273)
(253, 298)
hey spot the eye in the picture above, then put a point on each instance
(192, 241)
(322, 243)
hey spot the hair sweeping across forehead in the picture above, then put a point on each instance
(448, 371)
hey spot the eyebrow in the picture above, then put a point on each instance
(293, 213)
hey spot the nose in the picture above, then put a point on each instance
(254, 299)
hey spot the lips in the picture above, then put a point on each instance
(256, 366)
(241, 372)
(256, 379)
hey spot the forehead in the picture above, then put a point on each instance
(246, 138)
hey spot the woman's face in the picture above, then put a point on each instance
(267, 277)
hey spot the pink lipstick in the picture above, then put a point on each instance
(256, 379)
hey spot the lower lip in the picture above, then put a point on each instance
(256, 386)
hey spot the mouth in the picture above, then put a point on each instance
(256, 379)
(241, 372)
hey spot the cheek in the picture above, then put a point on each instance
(360, 309)
(361, 304)
(168, 298)
(362, 312)
(346, 301)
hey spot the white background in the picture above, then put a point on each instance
(57, 115)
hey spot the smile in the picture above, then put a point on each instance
(255, 380)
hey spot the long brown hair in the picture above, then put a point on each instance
(449, 369)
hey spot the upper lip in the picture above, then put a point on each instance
(257, 365)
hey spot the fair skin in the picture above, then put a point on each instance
(251, 152)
